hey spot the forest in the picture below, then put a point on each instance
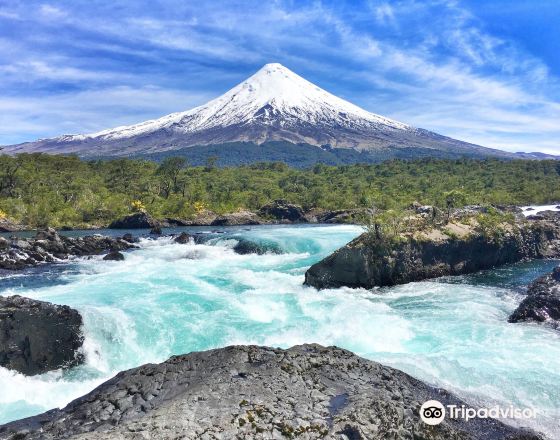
(40, 190)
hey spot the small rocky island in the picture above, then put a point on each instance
(542, 303)
(48, 246)
(250, 392)
(37, 336)
(470, 240)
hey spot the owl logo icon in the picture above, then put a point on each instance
(432, 412)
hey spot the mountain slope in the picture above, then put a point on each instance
(274, 104)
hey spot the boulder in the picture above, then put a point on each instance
(4, 244)
(237, 219)
(156, 230)
(37, 336)
(183, 238)
(47, 234)
(367, 262)
(345, 216)
(542, 303)
(114, 256)
(281, 210)
(129, 238)
(138, 220)
(249, 392)
(174, 222)
(418, 208)
(244, 247)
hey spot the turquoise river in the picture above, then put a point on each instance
(168, 298)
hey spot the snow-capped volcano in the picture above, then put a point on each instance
(274, 104)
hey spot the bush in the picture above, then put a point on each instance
(494, 225)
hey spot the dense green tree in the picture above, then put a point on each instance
(39, 189)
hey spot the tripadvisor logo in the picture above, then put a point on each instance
(434, 412)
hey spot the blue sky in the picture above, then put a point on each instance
(485, 71)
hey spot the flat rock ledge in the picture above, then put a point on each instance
(361, 264)
(49, 247)
(37, 336)
(250, 392)
(542, 303)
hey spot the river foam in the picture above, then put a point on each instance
(169, 298)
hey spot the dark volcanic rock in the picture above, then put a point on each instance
(545, 215)
(49, 247)
(156, 230)
(177, 222)
(344, 216)
(237, 219)
(204, 218)
(129, 238)
(249, 392)
(363, 264)
(138, 220)
(549, 215)
(542, 303)
(283, 211)
(114, 256)
(183, 238)
(37, 336)
(244, 247)
(47, 234)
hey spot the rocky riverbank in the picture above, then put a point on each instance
(464, 245)
(48, 246)
(542, 303)
(275, 212)
(308, 392)
(7, 225)
(37, 336)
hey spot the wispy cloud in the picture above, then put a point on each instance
(88, 111)
(51, 12)
(431, 63)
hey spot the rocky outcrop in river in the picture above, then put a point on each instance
(48, 246)
(249, 392)
(138, 220)
(542, 303)
(37, 336)
(364, 262)
(283, 211)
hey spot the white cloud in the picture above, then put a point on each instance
(51, 12)
(385, 14)
(88, 111)
(34, 69)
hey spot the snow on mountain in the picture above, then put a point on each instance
(273, 92)
(274, 104)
